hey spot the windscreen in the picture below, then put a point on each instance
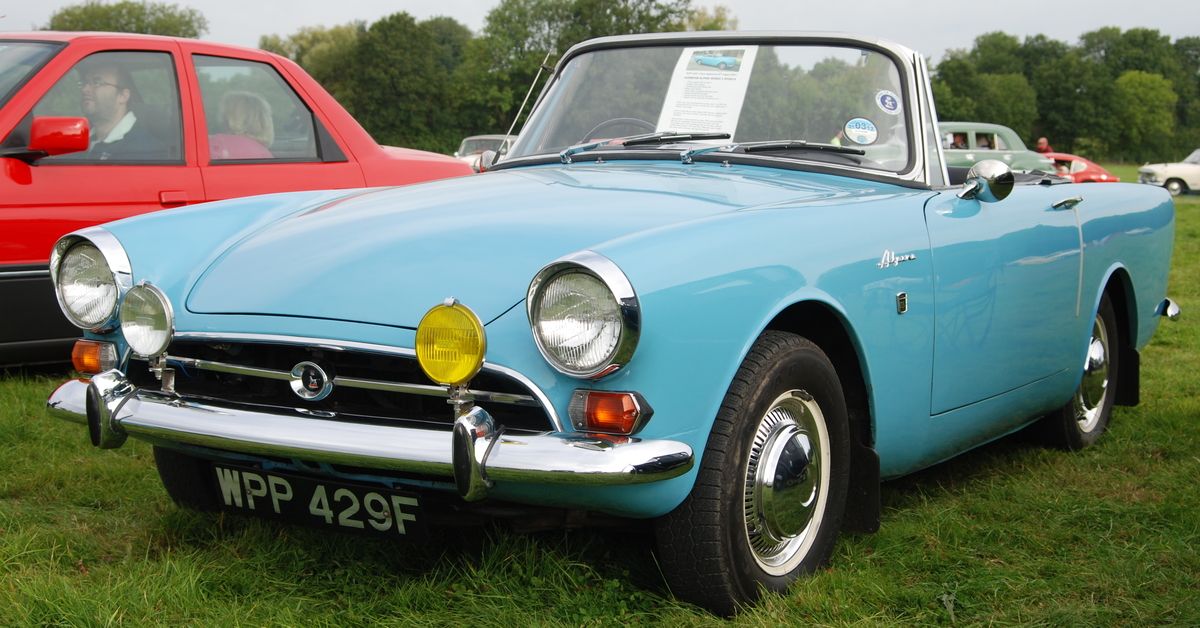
(18, 60)
(823, 94)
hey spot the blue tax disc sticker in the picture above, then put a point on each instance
(888, 102)
(861, 131)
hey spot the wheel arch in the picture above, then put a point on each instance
(1118, 285)
(828, 329)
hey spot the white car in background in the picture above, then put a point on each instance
(473, 147)
(1178, 178)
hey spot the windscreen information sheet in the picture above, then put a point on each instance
(707, 90)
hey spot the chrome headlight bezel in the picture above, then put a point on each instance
(118, 265)
(618, 285)
(168, 313)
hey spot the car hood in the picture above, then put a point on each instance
(387, 256)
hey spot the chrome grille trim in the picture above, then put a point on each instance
(354, 382)
(539, 398)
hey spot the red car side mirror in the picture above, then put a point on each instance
(49, 136)
(59, 136)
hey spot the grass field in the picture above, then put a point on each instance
(1010, 533)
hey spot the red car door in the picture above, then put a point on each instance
(259, 132)
(141, 159)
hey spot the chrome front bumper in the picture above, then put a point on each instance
(473, 453)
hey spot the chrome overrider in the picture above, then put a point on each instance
(475, 454)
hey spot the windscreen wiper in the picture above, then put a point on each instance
(667, 137)
(777, 145)
(645, 139)
(786, 145)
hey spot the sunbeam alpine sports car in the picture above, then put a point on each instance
(731, 302)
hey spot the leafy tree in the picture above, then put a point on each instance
(955, 82)
(153, 18)
(951, 106)
(323, 52)
(1145, 104)
(518, 34)
(1039, 50)
(997, 53)
(1073, 95)
(1007, 99)
(719, 18)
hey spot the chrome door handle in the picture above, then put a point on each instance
(1068, 203)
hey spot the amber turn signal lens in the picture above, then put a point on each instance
(92, 357)
(609, 412)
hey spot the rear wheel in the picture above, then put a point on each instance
(768, 501)
(1080, 422)
(186, 478)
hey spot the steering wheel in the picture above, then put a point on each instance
(611, 122)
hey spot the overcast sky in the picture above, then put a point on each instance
(929, 26)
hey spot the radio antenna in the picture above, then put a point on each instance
(541, 68)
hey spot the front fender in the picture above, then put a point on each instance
(710, 287)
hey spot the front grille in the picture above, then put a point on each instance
(369, 387)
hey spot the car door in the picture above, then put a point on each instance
(56, 195)
(259, 133)
(1006, 286)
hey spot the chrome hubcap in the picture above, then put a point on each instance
(786, 482)
(1089, 399)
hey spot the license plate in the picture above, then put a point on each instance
(299, 499)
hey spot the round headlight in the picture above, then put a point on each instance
(450, 344)
(86, 288)
(147, 320)
(584, 315)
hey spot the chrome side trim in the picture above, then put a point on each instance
(347, 345)
(24, 274)
(428, 390)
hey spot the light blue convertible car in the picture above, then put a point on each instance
(732, 316)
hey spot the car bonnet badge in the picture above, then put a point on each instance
(310, 382)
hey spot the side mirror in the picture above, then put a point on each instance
(59, 136)
(487, 160)
(990, 181)
(50, 136)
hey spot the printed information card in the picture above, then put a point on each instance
(707, 90)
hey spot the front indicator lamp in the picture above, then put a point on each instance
(608, 412)
(147, 321)
(450, 343)
(91, 357)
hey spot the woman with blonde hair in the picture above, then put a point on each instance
(248, 129)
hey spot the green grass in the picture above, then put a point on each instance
(1010, 533)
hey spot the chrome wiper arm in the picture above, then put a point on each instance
(564, 156)
(687, 155)
(757, 147)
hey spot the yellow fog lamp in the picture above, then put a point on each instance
(450, 343)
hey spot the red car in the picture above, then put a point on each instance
(1080, 170)
(99, 126)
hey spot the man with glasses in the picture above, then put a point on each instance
(107, 94)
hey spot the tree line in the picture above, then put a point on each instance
(1117, 95)
(1130, 95)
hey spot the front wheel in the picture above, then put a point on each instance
(768, 501)
(1081, 421)
(1176, 187)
